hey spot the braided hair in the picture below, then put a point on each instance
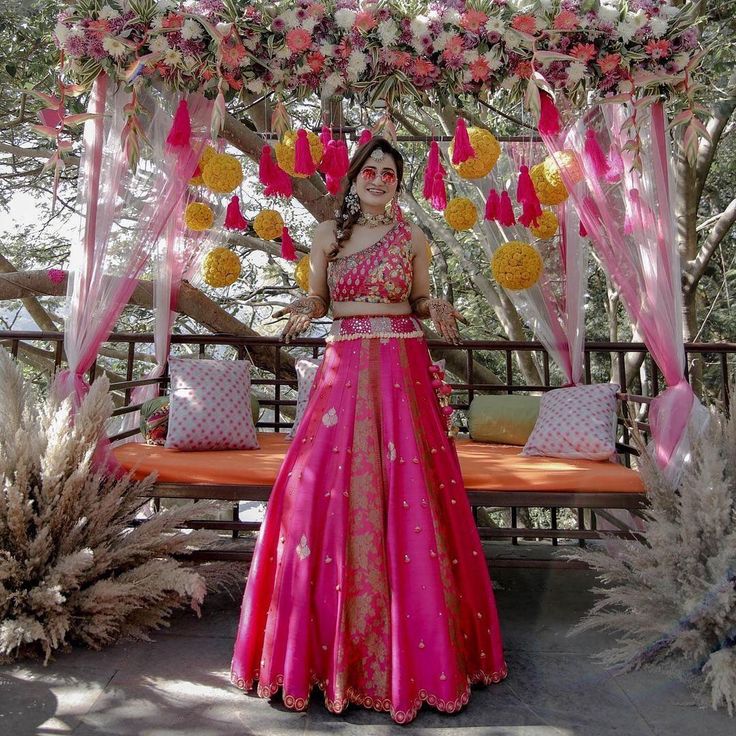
(344, 219)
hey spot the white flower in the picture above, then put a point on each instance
(163, 6)
(512, 39)
(191, 29)
(441, 41)
(278, 75)
(575, 72)
(333, 83)
(681, 60)
(327, 49)
(224, 28)
(289, 18)
(451, 17)
(159, 44)
(419, 26)
(345, 18)
(190, 62)
(467, 76)
(172, 57)
(493, 57)
(61, 32)
(107, 12)
(308, 24)
(303, 69)
(668, 11)
(114, 46)
(251, 43)
(283, 53)
(546, 4)
(156, 22)
(471, 55)
(357, 64)
(388, 32)
(640, 18)
(608, 13)
(626, 30)
(658, 26)
(495, 25)
(256, 86)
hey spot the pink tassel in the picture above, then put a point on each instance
(287, 245)
(549, 115)
(595, 155)
(433, 161)
(439, 193)
(462, 149)
(280, 186)
(582, 231)
(506, 211)
(266, 167)
(234, 219)
(325, 136)
(492, 205)
(333, 185)
(615, 165)
(529, 214)
(181, 128)
(303, 163)
(526, 195)
(365, 136)
(343, 157)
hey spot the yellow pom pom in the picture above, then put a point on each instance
(301, 273)
(516, 265)
(268, 224)
(566, 160)
(222, 173)
(198, 216)
(546, 225)
(221, 267)
(207, 154)
(285, 151)
(461, 214)
(549, 192)
(487, 150)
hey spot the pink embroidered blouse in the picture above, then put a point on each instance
(378, 274)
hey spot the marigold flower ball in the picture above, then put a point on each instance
(487, 150)
(285, 151)
(546, 225)
(549, 191)
(221, 267)
(268, 224)
(516, 265)
(207, 154)
(301, 273)
(222, 173)
(198, 216)
(567, 161)
(460, 213)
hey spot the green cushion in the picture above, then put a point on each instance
(506, 420)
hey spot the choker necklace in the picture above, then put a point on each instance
(375, 220)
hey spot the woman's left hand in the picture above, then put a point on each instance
(444, 316)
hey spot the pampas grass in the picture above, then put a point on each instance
(73, 566)
(672, 600)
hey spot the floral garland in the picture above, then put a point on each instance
(383, 50)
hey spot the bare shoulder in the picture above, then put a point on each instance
(324, 235)
(418, 238)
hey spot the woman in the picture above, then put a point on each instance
(369, 579)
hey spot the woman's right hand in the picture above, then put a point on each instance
(301, 312)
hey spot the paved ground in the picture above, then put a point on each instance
(178, 684)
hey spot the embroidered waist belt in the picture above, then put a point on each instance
(357, 328)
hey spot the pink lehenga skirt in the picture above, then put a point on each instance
(368, 578)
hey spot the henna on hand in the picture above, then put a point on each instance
(444, 316)
(301, 312)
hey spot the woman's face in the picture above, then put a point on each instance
(377, 181)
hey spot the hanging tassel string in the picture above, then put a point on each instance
(181, 129)
(493, 203)
(303, 162)
(506, 211)
(462, 149)
(287, 245)
(549, 115)
(594, 154)
(234, 219)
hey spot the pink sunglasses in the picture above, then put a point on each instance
(387, 175)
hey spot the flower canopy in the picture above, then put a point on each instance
(383, 50)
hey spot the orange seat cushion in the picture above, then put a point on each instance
(484, 466)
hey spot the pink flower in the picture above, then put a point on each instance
(609, 62)
(585, 52)
(454, 47)
(525, 23)
(56, 275)
(479, 69)
(298, 40)
(397, 59)
(365, 21)
(658, 49)
(98, 25)
(472, 20)
(566, 20)
(316, 10)
(423, 68)
(316, 61)
(232, 52)
(172, 20)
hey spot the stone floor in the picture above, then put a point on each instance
(178, 683)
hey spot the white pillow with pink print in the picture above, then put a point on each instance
(210, 405)
(578, 422)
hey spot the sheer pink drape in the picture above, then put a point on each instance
(628, 212)
(125, 215)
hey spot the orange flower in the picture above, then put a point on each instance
(583, 52)
(423, 68)
(298, 40)
(479, 69)
(453, 48)
(525, 23)
(232, 52)
(316, 10)
(365, 21)
(472, 20)
(524, 69)
(609, 62)
(316, 61)
(398, 59)
(172, 20)
(566, 20)
(658, 49)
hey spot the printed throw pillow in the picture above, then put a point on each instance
(155, 420)
(578, 422)
(210, 405)
(505, 420)
(306, 371)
